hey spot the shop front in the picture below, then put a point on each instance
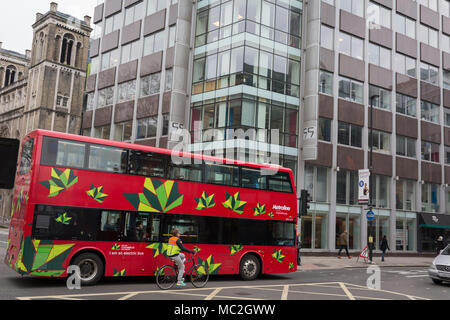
(430, 227)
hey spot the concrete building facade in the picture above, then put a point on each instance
(394, 55)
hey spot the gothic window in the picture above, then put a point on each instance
(10, 75)
(67, 48)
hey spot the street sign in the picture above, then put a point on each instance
(363, 186)
(370, 215)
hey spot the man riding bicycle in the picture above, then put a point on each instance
(174, 253)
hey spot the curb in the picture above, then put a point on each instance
(365, 266)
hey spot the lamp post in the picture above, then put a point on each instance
(371, 205)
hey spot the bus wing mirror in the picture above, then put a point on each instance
(9, 149)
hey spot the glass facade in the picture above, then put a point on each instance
(246, 75)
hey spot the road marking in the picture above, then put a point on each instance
(285, 293)
(347, 292)
(418, 276)
(128, 296)
(213, 294)
(395, 293)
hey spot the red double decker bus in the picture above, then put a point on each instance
(108, 208)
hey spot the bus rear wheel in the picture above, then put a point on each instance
(249, 268)
(91, 268)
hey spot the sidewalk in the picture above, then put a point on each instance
(332, 262)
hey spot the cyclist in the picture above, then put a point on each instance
(174, 253)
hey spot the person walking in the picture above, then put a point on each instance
(383, 247)
(343, 244)
(440, 244)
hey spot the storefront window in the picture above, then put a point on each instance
(353, 226)
(306, 232)
(405, 232)
(320, 234)
(314, 231)
(383, 230)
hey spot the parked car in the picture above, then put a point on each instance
(440, 268)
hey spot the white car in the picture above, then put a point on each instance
(440, 268)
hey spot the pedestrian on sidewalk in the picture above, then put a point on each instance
(384, 246)
(440, 244)
(299, 246)
(343, 244)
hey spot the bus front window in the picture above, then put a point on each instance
(25, 159)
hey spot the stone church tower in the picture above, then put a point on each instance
(43, 89)
(57, 72)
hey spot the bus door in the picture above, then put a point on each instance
(141, 237)
(111, 235)
(9, 149)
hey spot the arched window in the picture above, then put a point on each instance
(78, 55)
(66, 50)
(57, 48)
(10, 75)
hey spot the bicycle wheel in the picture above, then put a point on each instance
(166, 277)
(199, 276)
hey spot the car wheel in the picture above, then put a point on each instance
(437, 281)
(249, 268)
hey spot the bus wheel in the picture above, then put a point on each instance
(249, 267)
(91, 268)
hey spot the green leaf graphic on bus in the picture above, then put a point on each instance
(42, 257)
(278, 255)
(197, 249)
(259, 210)
(59, 181)
(158, 248)
(64, 219)
(156, 197)
(209, 265)
(235, 249)
(118, 273)
(115, 247)
(234, 203)
(270, 214)
(205, 201)
(291, 266)
(22, 199)
(97, 193)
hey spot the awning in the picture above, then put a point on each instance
(434, 220)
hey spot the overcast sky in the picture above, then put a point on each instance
(18, 16)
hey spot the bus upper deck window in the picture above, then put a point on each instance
(63, 153)
(107, 159)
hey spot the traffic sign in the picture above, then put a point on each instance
(365, 253)
(370, 215)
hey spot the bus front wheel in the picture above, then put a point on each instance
(91, 268)
(249, 268)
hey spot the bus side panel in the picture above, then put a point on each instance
(21, 213)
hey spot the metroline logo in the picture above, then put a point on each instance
(284, 208)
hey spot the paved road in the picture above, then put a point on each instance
(340, 284)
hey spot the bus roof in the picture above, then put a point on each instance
(127, 145)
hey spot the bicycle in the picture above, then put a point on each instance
(167, 275)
